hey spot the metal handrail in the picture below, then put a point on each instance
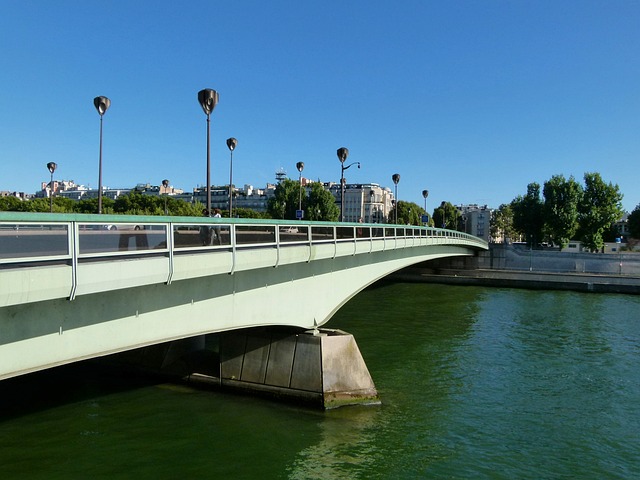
(88, 239)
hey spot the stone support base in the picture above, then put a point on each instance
(323, 367)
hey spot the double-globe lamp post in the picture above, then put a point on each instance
(232, 143)
(343, 153)
(396, 178)
(300, 167)
(102, 104)
(208, 100)
(51, 166)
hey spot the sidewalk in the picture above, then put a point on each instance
(580, 282)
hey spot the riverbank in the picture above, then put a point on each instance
(579, 282)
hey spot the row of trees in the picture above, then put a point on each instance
(134, 204)
(566, 210)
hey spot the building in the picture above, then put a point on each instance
(366, 201)
(476, 220)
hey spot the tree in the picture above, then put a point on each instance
(446, 216)
(10, 204)
(601, 205)
(501, 224)
(284, 203)
(528, 214)
(634, 222)
(320, 205)
(409, 213)
(561, 199)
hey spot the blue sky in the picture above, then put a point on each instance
(471, 100)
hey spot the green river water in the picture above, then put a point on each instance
(476, 383)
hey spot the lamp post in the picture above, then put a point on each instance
(165, 185)
(208, 100)
(396, 178)
(52, 168)
(372, 195)
(231, 143)
(425, 194)
(443, 205)
(300, 167)
(343, 153)
(102, 104)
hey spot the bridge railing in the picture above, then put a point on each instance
(79, 254)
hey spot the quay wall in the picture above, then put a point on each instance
(516, 267)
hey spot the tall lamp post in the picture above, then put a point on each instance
(52, 168)
(300, 167)
(102, 104)
(425, 194)
(231, 143)
(208, 100)
(165, 185)
(396, 178)
(372, 195)
(343, 153)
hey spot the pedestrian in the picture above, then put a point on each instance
(206, 232)
(216, 234)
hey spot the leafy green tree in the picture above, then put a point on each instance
(634, 222)
(247, 213)
(561, 199)
(528, 214)
(320, 205)
(409, 213)
(601, 206)
(446, 216)
(501, 223)
(10, 204)
(284, 203)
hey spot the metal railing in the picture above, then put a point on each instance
(52, 241)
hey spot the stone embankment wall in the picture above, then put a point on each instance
(508, 257)
(516, 267)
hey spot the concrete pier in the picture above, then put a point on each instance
(322, 367)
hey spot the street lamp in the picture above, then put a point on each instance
(208, 100)
(396, 178)
(300, 167)
(443, 205)
(343, 153)
(102, 104)
(372, 195)
(231, 143)
(165, 185)
(425, 194)
(52, 168)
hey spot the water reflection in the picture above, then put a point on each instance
(347, 445)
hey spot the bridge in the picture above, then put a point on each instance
(75, 287)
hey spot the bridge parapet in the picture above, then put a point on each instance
(52, 256)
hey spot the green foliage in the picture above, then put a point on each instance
(528, 214)
(446, 216)
(11, 204)
(561, 199)
(248, 213)
(501, 224)
(634, 222)
(319, 205)
(409, 213)
(600, 206)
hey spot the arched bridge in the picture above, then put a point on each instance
(74, 287)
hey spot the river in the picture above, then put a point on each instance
(476, 383)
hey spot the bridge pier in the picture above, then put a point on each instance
(320, 367)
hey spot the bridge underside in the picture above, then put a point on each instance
(54, 332)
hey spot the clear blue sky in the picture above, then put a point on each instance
(471, 100)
